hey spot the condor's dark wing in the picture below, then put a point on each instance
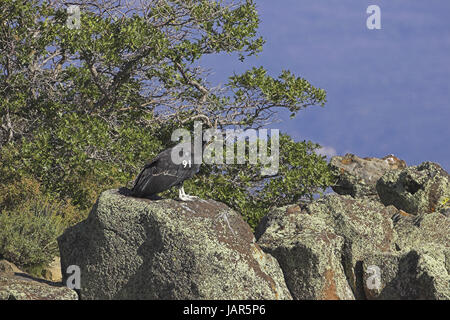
(161, 174)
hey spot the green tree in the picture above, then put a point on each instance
(82, 109)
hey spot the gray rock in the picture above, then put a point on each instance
(336, 230)
(418, 274)
(445, 212)
(131, 248)
(365, 226)
(20, 286)
(358, 176)
(415, 232)
(420, 268)
(309, 253)
(417, 190)
(389, 217)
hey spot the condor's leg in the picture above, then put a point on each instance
(185, 197)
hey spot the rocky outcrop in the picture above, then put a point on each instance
(416, 274)
(17, 285)
(391, 246)
(387, 236)
(422, 261)
(416, 190)
(131, 248)
(358, 176)
(430, 229)
(365, 226)
(309, 253)
(343, 229)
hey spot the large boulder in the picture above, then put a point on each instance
(337, 242)
(429, 229)
(365, 226)
(131, 248)
(416, 274)
(17, 285)
(336, 230)
(358, 177)
(389, 218)
(309, 253)
(416, 190)
(420, 269)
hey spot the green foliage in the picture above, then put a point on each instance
(445, 204)
(83, 109)
(301, 175)
(288, 91)
(79, 156)
(28, 233)
(30, 221)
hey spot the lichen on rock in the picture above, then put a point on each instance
(309, 253)
(417, 190)
(358, 228)
(130, 248)
(358, 177)
(416, 274)
(17, 285)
